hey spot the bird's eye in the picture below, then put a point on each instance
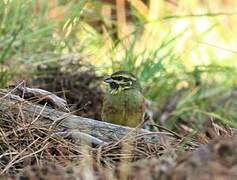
(118, 78)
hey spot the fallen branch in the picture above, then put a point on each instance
(41, 95)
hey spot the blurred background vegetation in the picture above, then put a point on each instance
(169, 44)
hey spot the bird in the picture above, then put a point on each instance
(124, 103)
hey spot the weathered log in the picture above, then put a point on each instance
(102, 130)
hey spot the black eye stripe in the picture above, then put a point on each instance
(118, 78)
(121, 78)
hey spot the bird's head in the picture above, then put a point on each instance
(122, 80)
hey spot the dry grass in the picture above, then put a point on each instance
(29, 148)
(27, 141)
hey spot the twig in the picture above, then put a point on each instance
(81, 137)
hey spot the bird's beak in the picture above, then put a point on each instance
(108, 80)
